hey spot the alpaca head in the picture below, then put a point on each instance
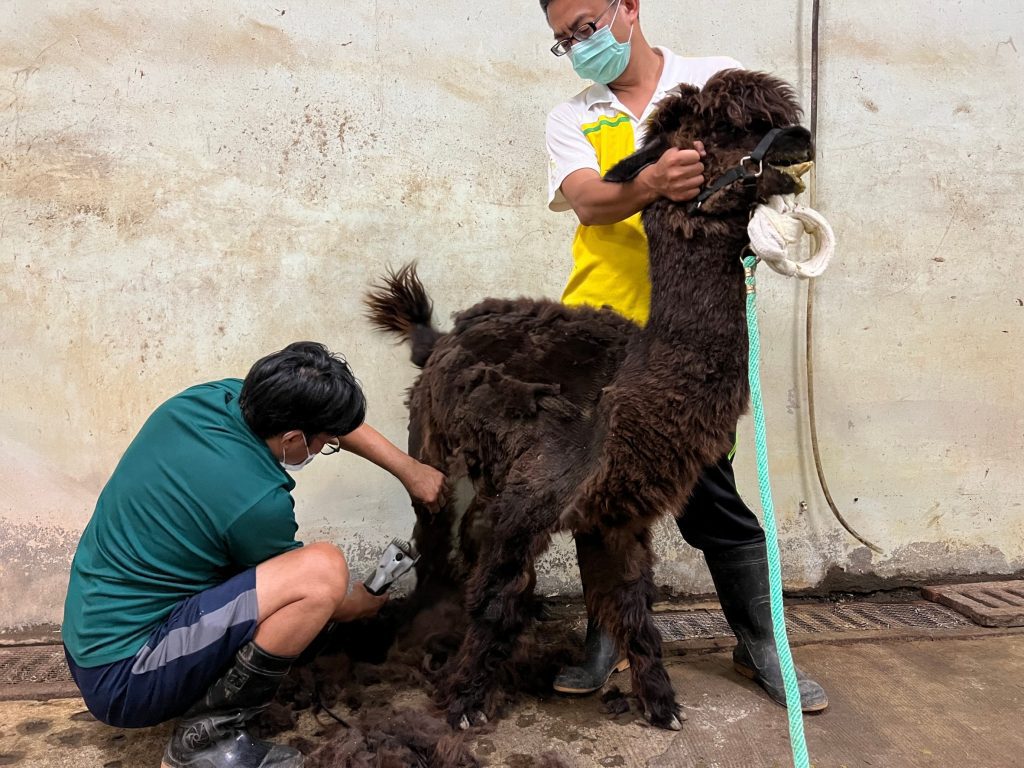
(730, 116)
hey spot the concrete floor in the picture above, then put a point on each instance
(918, 704)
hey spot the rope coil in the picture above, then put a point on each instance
(777, 230)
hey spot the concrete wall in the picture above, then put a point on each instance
(188, 186)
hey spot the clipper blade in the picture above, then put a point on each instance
(407, 548)
(397, 559)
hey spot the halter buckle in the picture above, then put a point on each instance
(760, 166)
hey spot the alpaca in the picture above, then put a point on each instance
(576, 419)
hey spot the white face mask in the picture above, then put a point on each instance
(296, 467)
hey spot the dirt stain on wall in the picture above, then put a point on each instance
(89, 37)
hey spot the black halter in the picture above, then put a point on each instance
(744, 172)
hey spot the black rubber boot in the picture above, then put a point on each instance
(213, 734)
(741, 579)
(603, 658)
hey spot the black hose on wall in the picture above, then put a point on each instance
(809, 314)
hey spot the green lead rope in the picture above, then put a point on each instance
(793, 709)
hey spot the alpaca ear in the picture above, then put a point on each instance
(745, 99)
(681, 104)
(629, 169)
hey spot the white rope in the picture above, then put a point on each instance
(777, 229)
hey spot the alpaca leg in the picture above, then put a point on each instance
(435, 577)
(498, 604)
(433, 537)
(474, 532)
(620, 592)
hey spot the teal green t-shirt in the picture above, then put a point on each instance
(196, 498)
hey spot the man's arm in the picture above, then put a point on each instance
(424, 484)
(678, 175)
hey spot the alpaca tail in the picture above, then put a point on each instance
(399, 304)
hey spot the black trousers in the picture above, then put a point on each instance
(715, 517)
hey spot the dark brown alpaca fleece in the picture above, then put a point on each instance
(576, 419)
(360, 668)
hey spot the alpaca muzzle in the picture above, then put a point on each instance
(796, 172)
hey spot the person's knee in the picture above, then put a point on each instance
(325, 570)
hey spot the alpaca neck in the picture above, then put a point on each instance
(696, 282)
(682, 386)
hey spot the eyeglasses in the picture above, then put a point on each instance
(582, 33)
(331, 447)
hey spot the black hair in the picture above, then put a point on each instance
(544, 5)
(304, 386)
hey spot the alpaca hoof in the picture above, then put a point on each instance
(472, 719)
(671, 723)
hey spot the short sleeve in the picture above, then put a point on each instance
(267, 529)
(568, 152)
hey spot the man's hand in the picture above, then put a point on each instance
(425, 485)
(678, 174)
(360, 604)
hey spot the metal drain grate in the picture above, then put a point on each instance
(33, 665)
(44, 665)
(991, 604)
(858, 617)
(685, 625)
(836, 618)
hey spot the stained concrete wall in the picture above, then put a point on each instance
(186, 187)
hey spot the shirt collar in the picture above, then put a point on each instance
(602, 94)
(599, 94)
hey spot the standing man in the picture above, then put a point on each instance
(586, 136)
(190, 596)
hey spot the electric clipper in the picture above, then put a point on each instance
(397, 560)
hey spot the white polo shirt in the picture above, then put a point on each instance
(595, 130)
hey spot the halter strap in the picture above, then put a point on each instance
(742, 172)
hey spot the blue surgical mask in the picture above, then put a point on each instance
(601, 57)
(296, 467)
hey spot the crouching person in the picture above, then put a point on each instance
(189, 595)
